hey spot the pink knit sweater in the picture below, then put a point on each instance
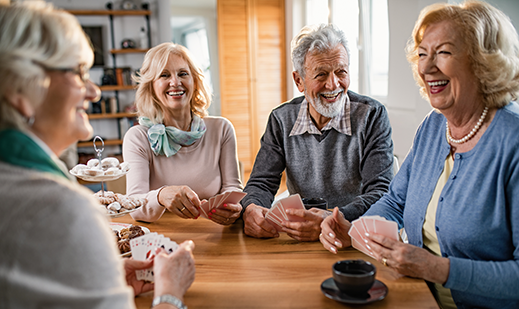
(208, 167)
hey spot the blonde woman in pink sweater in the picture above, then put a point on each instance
(178, 155)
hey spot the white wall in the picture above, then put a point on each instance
(208, 14)
(405, 105)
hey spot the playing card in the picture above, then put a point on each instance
(143, 248)
(279, 211)
(212, 202)
(292, 202)
(358, 242)
(170, 246)
(274, 221)
(369, 224)
(138, 248)
(232, 197)
(204, 209)
(359, 227)
(386, 228)
(361, 247)
(218, 200)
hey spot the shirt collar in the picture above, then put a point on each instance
(341, 123)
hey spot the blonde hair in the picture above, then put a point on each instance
(35, 35)
(492, 45)
(156, 59)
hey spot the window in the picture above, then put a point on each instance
(196, 42)
(365, 24)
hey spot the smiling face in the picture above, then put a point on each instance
(326, 81)
(445, 69)
(61, 119)
(175, 86)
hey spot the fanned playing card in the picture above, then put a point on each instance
(371, 225)
(277, 213)
(232, 197)
(143, 248)
(217, 201)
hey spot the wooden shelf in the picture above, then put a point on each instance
(129, 50)
(110, 12)
(111, 116)
(108, 142)
(117, 87)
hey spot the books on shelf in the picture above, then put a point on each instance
(124, 125)
(118, 76)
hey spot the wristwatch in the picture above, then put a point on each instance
(168, 299)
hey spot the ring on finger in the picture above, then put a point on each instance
(384, 261)
(181, 210)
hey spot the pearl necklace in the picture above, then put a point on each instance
(471, 133)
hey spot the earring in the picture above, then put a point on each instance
(30, 121)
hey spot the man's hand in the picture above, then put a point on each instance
(255, 224)
(308, 230)
(334, 232)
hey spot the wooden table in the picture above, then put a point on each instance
(237, 271)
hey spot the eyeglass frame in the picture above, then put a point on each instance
(80, 70)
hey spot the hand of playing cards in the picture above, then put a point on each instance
(217, 201)
(371, 225)
(277, 213)
(143, 248)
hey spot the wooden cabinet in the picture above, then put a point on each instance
(251, 39)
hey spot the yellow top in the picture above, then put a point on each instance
(430, 240)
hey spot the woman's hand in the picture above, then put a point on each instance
(334, 232)
(180, 200)
(174, 273)
(409, 260)
(226, 214)
(130, 266)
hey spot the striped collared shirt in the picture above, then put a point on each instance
(304, 122)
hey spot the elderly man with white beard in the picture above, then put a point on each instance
(332, 143)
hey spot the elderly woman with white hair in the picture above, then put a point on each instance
(457, 191)
(57, 248)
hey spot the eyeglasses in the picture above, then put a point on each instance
(81, 70)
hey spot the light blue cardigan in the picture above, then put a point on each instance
(477, 221)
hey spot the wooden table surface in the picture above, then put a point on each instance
(237, 271)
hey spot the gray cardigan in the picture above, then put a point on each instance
(350, 172)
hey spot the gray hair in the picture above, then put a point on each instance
(35, 35)
(316, 38)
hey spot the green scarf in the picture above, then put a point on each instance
(18, 149)
(168, 140)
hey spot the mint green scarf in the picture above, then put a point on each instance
(18, 149)
(168, 140)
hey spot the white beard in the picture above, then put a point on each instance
(325, 109)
